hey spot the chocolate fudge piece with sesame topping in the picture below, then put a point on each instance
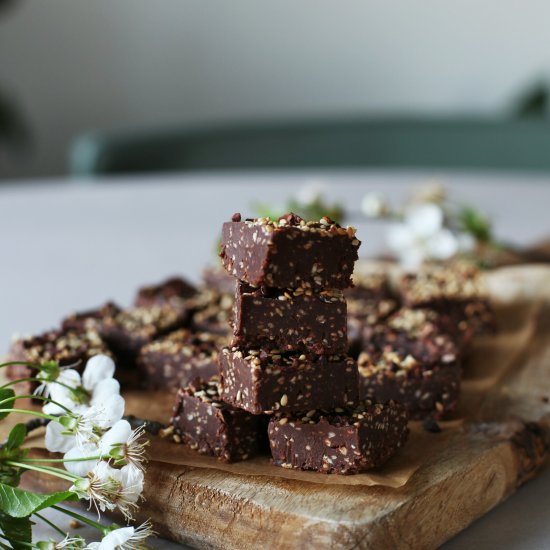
(370, 301)
(173, 291)
(129, 330)
(211, 311)
(340, 441)
(66, 347)
(422, 333)
(289, 252)
(91, 319)
(217, 278)
(176, 359)
(261, 381)
(455, 290)
(423, 391)
(210, 426)
(290, 320)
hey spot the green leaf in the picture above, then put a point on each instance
(6, 393)
(16, 437)
(475, 223)
(18, 503)
(17, 530)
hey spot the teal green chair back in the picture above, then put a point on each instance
(397, 143)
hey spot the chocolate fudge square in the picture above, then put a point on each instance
(178, 358)
(66, 347)
(341, 441)
(91, 319)
(424, 391)
(129, 330)
(456, 291)
(218, 279)
(290, 320)
(174, 291)
(370, 301)
(289, 252)
(259, 381)
(212, 311)
(437, 285)
(422, 333)
(210, 426)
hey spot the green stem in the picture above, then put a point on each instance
(39, 397)
(83, 519)
(33, 413)
(25, 363)
(52, 525)
(63, 474)
(17, 543)
(61, 459)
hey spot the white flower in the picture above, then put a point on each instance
(81, 467)
(422, 236)
(373, 205)
(120, 444)
(93, 401)
(68, 543)
(86, 423)
(124, 538)
(70, 389)
(424, 220)
(108, 488)
(124, 444)
(131, 480)
(61, 390)
(98, 369)
(442, 245)
(311, 192)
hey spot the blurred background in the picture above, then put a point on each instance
(133, 85)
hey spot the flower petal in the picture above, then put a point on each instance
(116, 538)
(81, 468)
(55, 441)
(373, 205)
(99, 367)
(111, 411)
(118, 434)
(399, 238)
(442, 245)
(424, 220)
(132, 479)
(412, 258)
(104, 390)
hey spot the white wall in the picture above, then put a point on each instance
(81, 64)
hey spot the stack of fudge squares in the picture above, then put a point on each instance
(287, 374)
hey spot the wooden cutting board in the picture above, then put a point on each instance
(458, 475)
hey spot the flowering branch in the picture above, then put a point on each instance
(103, 455)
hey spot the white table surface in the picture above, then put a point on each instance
(71, 245)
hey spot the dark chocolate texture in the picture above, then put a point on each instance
(290, 320)
(342, 441)
(423, 391)
(128, 331)
(174, 291)
(260, 381)
(290, 252)
(178, 358)
(66, 347)
(210, 426)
